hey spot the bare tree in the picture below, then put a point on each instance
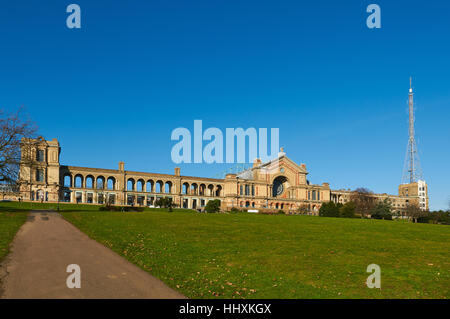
(364, 201)
(13, 128)
(414, 212)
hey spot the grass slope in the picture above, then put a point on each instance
(257, 256)
(27, 206)
(10, 222)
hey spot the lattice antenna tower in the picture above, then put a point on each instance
(412, 171)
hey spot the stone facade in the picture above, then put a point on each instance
(277, 185)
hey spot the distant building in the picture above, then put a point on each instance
(280, 184)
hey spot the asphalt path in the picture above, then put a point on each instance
(47, 244)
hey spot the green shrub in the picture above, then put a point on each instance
(329, 209)
(213, 206)
(382, 210)
(165, 202)
(347, 210)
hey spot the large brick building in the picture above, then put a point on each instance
(280, 184)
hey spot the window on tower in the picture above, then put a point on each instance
(39, 175)
(40, 155)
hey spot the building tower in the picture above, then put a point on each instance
(413, 185)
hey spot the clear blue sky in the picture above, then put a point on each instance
(136, 70)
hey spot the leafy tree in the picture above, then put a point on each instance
(165, 202)
(382, 210)
(329, 209)
(347, 210)
(213, 206)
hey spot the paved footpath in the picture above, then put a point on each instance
(44, 247)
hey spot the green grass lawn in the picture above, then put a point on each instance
(257, 256)
(10, 222)
(27, 206)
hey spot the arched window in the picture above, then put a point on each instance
(279, 186)
(185, 188)
(89, 181)
(100, 182)
(78, 181)
(140, 185)
(210, 190)
(111, 183)
(130, 184)
(168, 187)
(67, 180)
(218, 190)
(194, 189)
(159, 187)
(202, 189)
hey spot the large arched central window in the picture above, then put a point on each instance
(279, 186)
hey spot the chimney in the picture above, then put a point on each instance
(121, 166)
(177, 171)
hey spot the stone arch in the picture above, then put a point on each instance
(67, 180)
(218, 190)
(111, 183)
(202, 189)
(131, 184)
(78, 181)
(279, 186)
(185, 188)
(140, 185)
(40, 194)
(159, 186)
(194, 189)
(210, 190)
(168, 187)
(100, 182)
(89, 181)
